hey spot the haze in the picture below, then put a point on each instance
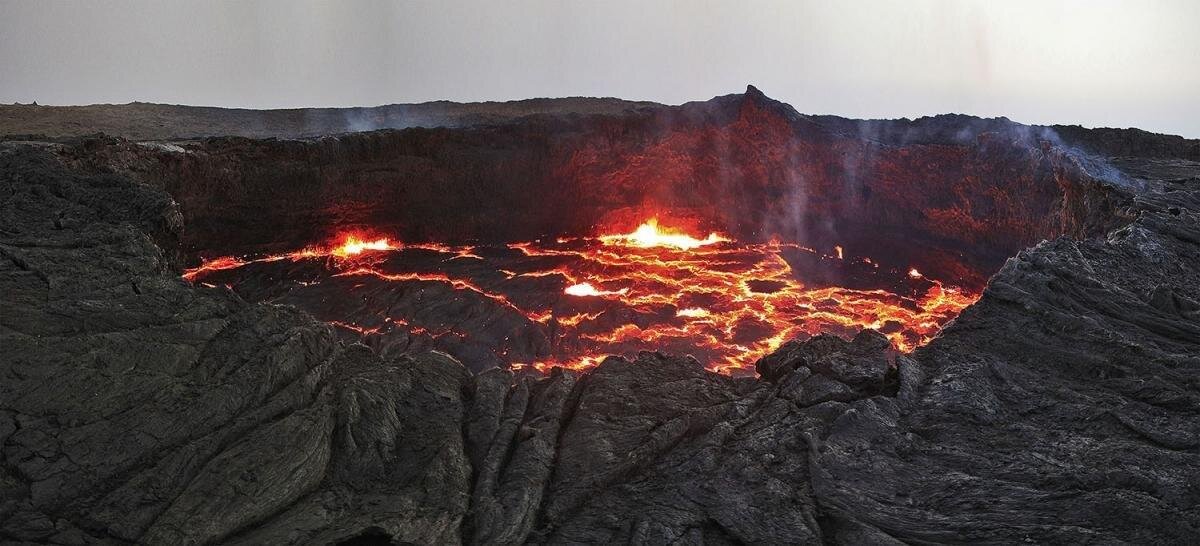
(1115, 64)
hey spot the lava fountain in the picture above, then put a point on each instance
(570, 301)
(650, 235)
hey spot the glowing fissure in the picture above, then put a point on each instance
(727, 303)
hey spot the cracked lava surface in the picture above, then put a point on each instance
(572, 301)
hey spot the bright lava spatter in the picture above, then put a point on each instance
(732, 303)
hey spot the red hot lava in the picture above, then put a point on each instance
(655, 288)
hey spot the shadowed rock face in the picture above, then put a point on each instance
(1063, 407)
(958, 200)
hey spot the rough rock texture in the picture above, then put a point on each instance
(135, 407)
(149, 121)
(1063, 407)
(956, 198)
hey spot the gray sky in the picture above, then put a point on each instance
(1096, 63)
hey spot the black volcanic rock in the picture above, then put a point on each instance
(137, 408)
(862, 363)
(1063, 407)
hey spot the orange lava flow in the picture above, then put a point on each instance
(649, 235)
(353, 246)
(218, 264)
(586, 289)
(655, 288)
(347, 246)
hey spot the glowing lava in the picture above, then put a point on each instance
(586, 289)
(350, 245)
(353, 245)
(649, 235)
(656, 288)
(218, 264)
(693, 312)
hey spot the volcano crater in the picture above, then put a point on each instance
(1060, 407)
(500, 248)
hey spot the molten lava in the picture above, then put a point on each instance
(586, 289)
(353, 245)
(649, 235)
(569, 302)
(218, 264)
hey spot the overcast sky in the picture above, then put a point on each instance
(1096, 63)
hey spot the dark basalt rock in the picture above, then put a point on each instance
(1063, 407)
(862, 363)
(136, 408)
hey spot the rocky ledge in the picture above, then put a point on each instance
(1063, 407)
